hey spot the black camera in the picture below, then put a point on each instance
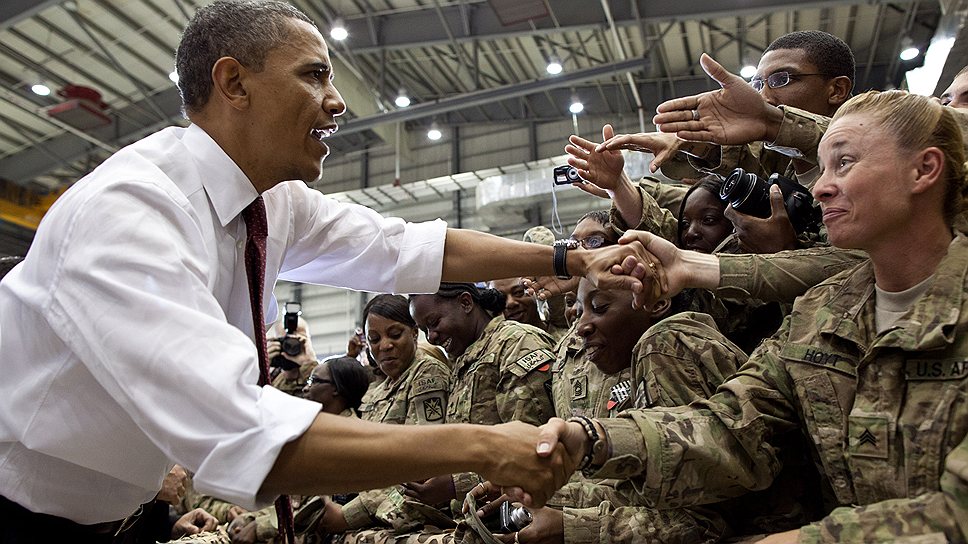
(290, 344)
(566, 175)
(508, 519)
(750, 194)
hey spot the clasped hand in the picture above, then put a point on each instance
(633, 265)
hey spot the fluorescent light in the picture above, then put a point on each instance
(576, 107)
(748, 71)
(923, 80)
(910, 53)
(40, 89)
(402, 101)
(173, 76)
(554, 67)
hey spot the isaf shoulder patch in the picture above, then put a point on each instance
(536, 359)
(428, 384)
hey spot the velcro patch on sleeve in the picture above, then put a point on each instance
(536, 359)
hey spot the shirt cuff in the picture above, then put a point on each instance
(582, 525)
(734, 275)
(420, 263)
(236, 468)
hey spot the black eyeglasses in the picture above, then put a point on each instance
(312, 380)
(777, 80)
(594, 241)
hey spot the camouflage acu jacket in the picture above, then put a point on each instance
(680, 359)
(419, 395)
(503, 376)
(887, 415)
(579, 388)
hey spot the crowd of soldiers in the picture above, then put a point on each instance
(651, 378)
(795, 373)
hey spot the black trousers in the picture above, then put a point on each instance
(21, 526)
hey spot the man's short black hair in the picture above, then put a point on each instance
(832, 56)
(245, 30)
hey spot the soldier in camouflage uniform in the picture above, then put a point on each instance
(501, 373)
(870, 364)
(413, 393)
(665, 364)
(501, 368)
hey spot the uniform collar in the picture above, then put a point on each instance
(929, 324)
(227, 187)
(472, 353)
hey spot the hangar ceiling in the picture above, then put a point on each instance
(473, 67)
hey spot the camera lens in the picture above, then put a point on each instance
(572, 174)
(520, 518)
(747, 193)
(291, 345)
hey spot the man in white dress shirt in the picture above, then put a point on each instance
(127, 334)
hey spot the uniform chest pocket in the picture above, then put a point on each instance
(930, 428)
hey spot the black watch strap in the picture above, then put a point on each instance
(560, 257)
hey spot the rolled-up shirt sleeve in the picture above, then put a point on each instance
(363, 249)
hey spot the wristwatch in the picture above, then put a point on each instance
(561, 250)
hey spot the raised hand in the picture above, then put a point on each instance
(736, 114)
(603, 168)
(663, 146)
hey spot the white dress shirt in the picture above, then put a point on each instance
(126, 333)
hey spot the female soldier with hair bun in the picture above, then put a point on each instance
(501, 368)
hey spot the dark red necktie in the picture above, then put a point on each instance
(256, 232)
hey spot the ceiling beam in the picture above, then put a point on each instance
(14, 11)
(443, 24)
(489, 96)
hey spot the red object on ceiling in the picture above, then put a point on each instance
(82, 108)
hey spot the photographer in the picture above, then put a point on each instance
(290, 368)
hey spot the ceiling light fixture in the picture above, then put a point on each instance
(173, 76)
(554, 66)
(909, 53)
(40, 89)
(576, 106)
(402, 100)
(748, 71)
(434, 133)
(338, 32)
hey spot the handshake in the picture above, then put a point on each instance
(649, 266)
(536, 461)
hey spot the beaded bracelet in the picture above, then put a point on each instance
(593, 438)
